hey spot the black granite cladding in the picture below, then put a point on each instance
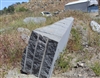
(28, 54)
(49, 55)
(28, 66)
(33, 36)
(38, 47)
(38, 57)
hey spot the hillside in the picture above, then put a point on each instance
(82, 53)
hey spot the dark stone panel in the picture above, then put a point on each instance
(39, 51)
(36, 67)
(51, 48)
(31, 45)
(43, 74)
(30, 55)
(49, 55)
(38, 57)
(28, 65)
(46, 69)
(43, 39)
(47, 63)
(33, 36)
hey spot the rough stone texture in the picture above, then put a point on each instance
(51, 48)
(44, 47)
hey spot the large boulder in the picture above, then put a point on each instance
(36, 20)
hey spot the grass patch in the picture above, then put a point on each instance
(75, 42)
(63, 63)
(96, 68)
(11, 48)
(97, 20)
(94, 39)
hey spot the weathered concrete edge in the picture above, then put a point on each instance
(58, 51)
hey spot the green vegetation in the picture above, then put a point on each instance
(96, 68)
(21, 9)
(75, 42)
(63, 63)
(11, 9)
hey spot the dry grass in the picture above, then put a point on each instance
(11, 47)
(11, 42)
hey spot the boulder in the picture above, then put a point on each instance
(95, 26)
(25, 37)
(36, 20)
(25, 34)
(23, 30)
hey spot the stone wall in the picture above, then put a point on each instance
(44, 47)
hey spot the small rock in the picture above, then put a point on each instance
(95, 26)
(81, 64)
(90, 49)
(25, 37)
(79, 75)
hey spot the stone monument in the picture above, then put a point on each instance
(44, 46)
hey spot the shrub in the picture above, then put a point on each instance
(18, 3)
(10, 9)
(1, 12)
(21, 9)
